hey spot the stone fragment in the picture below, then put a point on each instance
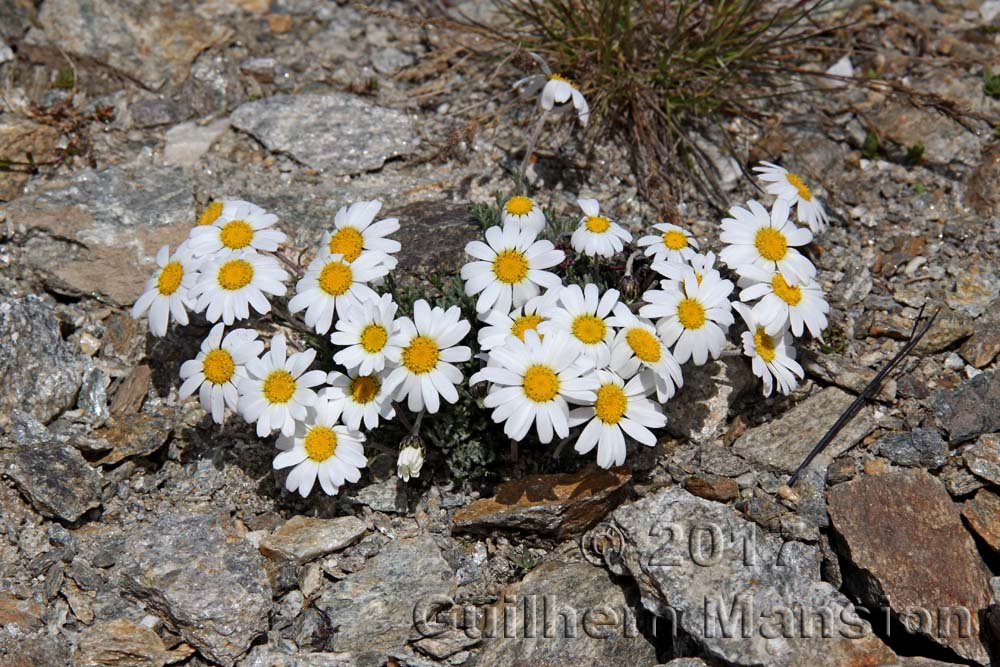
(271, 656)
(983, 458)
(22, 615)
(302, 539)
(976, 285)
(121, 643)
(971, 408)
(337, 133)
(959, 481)
(921, 448)
(55, 478)
(560, 505)
(709, 392)
(209, 585)
(20, 137)
(984, 345)
(33, 650)
(983, 514)
(435, 234)
(685, 662)
(839, 370)
(712, 487)
(943, 139)
(187, 142)
(135, 435)
(895, 531)
(390, 60)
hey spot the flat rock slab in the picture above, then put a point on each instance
(434, 235)
(337, 133)
(209, 585)
(302, 539)
(983, 458)
(970, 409)
(55, 478)
(559, 505)
(921, 447)
(904, 540)
(121, 643)
(708, 394)
(983, 514)
(740, 593)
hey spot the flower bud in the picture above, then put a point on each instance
(411, 459)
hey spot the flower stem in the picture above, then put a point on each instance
(532, 142)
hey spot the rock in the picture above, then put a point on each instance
(121, 643)
(33, 650)
(984, 345)
(187, 142)
(983, 458)
(375, 607)
(709, 392)
(390, 60)
(983, 514)
(41, 375)
(135, 435)
(838, 370)
(950, 327)
(107, 247)
(153, 44)
(55, 479)
(685, 662)
(302, 539)
(269, 656)
(337, 133)
(971, 408)
(976, 285)
(435, 235)
(560, 505)
(943, 139)
(959, 480)
(19, 615)
(387, 496)
(154, 112)
(920, 448)
(210, 586)
(712, 487)
(895, 531)
(741, 594)
(564, 614)
(19, 137)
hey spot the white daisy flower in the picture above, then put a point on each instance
(784, 302)
(792, 188)
(409, 463)
(767, 240)
(508, 271)
(169, 292)
(233, 281)
(219, 368)
(585, 314)
(523, 212)
(425, 349)
(321, 448)
(332, 286)
(617, 409)
(532, 382)
(364, 331)
(692, 316)
(216, 210)
(703, 265)
(360, 397)
(354, 232)
(637, 347)
(597, 235)
(240, 226)
(773, 357)
(277, 390)
(555, 89)
(501, 324)
(673, 243)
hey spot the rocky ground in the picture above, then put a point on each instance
(136, 533)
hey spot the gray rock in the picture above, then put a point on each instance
(41, 375)
(374, 608)
(337, 133)
(435, 235)
(207, 584)
(303, 539)
(391, 60)
(55, 478)
(921, 447)
(709, 392)
(685, 662)
(122, 643)
(93, 398)
(270, 656)
(971, 408)
(154, 112)
(983, 458)
(187, 142)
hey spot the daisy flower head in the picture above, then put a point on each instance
(232, 282)
(278, 388)
(597, 235)
(240, 226)
(673, 243)
(637, 348)
(364, 331)
(507, 270)
(168, 292)
(332, 286)
(783, 302)
(767, 240)
(218, 369)
(555, 89)
(360, 397)
(320, 448)
(772, 356)
(500, 324)
(533, 380)
(354, 232)
(617, 409)
(217, 209)
(792, 188)
(692, 315)
(585, 314)
(524, 212)
(425, 349)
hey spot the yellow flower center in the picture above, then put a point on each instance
(519, 205)
(211, 213)
(170, 278)
(770, 243)
(364, 388)
(674, 239)
(560, 77)
(236, 235)
(336, 278)
(790, 294)
(644, 344)
(347, 242)
(691, 314)
(611, 403)
(541, 384)
(764, 345)
(803, 189)
(235, 274)
(218, 366)
(373, 338)
(510, 266)
(279, 387)
(524, 323)
(597, 224)
(421, 355)
(320, 443)
(589, 328)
